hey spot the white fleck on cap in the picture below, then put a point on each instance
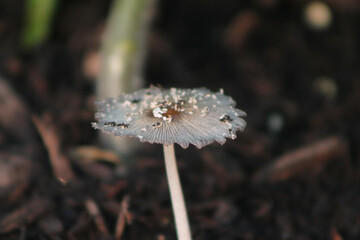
(168, 116)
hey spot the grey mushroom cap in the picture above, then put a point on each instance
(168, 116)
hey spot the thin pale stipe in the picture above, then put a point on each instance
(178, 203)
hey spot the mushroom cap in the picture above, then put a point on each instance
(168, 116)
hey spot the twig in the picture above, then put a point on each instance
(60, 164)
(123, 218)
(25, 214)
(302, 159)
(94, 212)
(92, 154)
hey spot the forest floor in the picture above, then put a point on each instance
(292, 174)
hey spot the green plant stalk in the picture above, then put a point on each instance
(122, 54)
(38, 20)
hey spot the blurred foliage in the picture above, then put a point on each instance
(38, 19)
(122, 57)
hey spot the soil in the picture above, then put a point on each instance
(292, 174)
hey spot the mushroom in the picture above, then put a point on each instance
(169, 116)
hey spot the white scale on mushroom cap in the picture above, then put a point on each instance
(168, 116)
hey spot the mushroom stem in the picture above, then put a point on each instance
(177, 198)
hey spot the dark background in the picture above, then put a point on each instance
(300, 87)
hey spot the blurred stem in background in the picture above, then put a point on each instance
(122, 56)
(38, 20)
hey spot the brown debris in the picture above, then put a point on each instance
(14, 115)
(82, 227)
(161, 237)
(93, 154)
(51, 225)
(302, 159)
(94, 212)
(226, 212)
(91, 64)
(22, 233)
(96, 170)
(263, 210)
(240, 28)
(111, 190)
(204, 206)
(26, 214)
(14, 65)
(111, 207)
(40, 87)
(335, 235)
(15, 174)
(60, 164)
(13, 169)
(224, 176)
(253, 144)
(90, 160)
(18, 191)
(345, 5)
(123, 218)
